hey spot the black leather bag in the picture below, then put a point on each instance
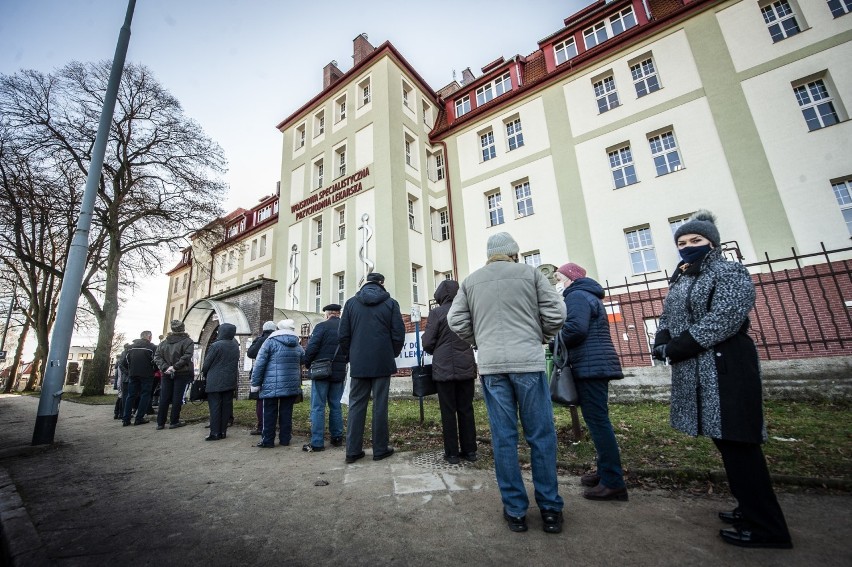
(320, 369)
(421, 381)
(198, 390)
(563, 390)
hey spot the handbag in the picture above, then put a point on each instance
(321, 369)
(421, 381)
(563, 390)
(198, 390)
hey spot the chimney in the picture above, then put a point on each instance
(467, 76)
(361, 48)
(330, 74)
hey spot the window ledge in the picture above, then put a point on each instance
(669, 173)
(829, 126)
(519, 217)
(625, 186)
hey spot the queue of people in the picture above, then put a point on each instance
(506, 311)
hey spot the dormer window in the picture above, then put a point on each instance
(462, 106)
(499, 86)
(565, 51)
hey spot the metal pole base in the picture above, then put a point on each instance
(45, 428)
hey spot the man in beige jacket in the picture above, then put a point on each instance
(508, 311)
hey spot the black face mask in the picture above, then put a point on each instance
(691, 254)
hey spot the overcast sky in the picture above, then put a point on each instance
(240, 67)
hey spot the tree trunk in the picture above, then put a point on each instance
(36, 369)
(96, 372)
(16, 361)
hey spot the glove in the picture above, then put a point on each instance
(660, 352)
(254, 389)
(170, 370)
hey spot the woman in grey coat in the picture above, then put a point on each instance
(222, 369)
(716, 386)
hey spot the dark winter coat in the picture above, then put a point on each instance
(585, 332)
(452, 358)
(323, 344)
(176, 350)
(371, 333)
(252, 351)
(221, 364)
(139, 359)
(278, 367)
(716, 386)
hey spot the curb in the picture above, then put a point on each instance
(20, 543)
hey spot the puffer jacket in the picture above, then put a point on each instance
(176, 350)
(452, 358)
(716, 385)
(277, 368)
(222, 361)
(371, 332)
(139, 359)
(585, 332)
(507, 311)
(323, 344)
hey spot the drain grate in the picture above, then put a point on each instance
(434, 460)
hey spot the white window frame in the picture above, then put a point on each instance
(494, 208)
(462, 106)
(523, 199)
(840, 7)
(780, 18)
(443, 224)
(676, 222)
(316, 233)
(646, 79)
(426, 109)
(641, 251)
(532, 258)
(843, 195)
(626, 16)
(514, 133)
(317, 284)
(407, 90)
(341, 287)
(665, 152)
(415, 285)
(487, 146)
(262, 251)
(299, 136)
(593, 33)
(340, 153)
(319, 173)
(606, 93)
(565, 50)
(412, 213)
(365, 95)
(319, 123)
(822, 111)
(340, 109)
(340, 216)
(622, 166)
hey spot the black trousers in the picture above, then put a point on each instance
(221, 406)
(171, 393)
(457, 422)
(751, 485)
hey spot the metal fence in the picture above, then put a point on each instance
(803, 307)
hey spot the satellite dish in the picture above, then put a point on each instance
(548, 271)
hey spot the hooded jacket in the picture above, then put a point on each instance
(591, 353)
(452, 358)
(508, 311)
(258, 341)
(222, 361)
(176, 350)
(278, 366)
(139, 359)
(324, 344)
(371, 333)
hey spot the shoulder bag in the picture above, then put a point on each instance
(198, 390)
(421, 379)
(563, 391)
(321, 369)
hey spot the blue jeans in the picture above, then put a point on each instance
(139, 386)
(593, 396)
(506, 397)
(325, 393)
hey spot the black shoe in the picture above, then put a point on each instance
(352, 458)
(263, 445)
(590, 479)
(159, 427)
(744, 537)
(212, 437)
(142, 421)
(384, 455)
(515, 524)
(311, 449)
(452, 459)
(223, 436)
(552, 521)
(471, 457)
(732, 517)
(116, 417)
(601, 492)
(125, 423)
(336, 441)
(176, 425)
(231, 422)
(256, 431)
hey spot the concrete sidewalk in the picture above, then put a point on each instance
(112, 495)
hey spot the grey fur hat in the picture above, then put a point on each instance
(703, 222)
(177, 326)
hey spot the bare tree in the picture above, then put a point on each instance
(160, 180)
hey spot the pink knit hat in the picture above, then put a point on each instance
(572, 271)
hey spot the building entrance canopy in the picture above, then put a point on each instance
(200, 311)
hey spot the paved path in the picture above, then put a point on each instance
(112, 495)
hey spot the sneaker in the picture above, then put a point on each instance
(336, 441)
(311, 449)
(552, 521)
(256, 431)
(263, 445)
(516, 524)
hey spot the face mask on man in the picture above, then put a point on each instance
(691, 254)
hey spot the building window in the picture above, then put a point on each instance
(317, 233)
(665, 153)
(486, 141)
(317, 295)
(340, 109)
(183, 281)
(340, 213)
(501, 85)
(264, 213)
(565, 50)
(411, 217)
(484, 94)
(780, 19)
(223, 263)
(406, 94)
(606, 94)
(495, 209)
(843, 194)
(364, 91)
(232, 260)
(441, 276)
(415, 290)
(621, 164)
(410, 158)
(174, 287)
(341, 287)
(816, 104)
(172, 316)
(427, 114)
(319, 171)
(645, 77)
(523, 199)
(444, 224)
(299, 138)
(436, 166)
(319, 123)
(643, 258)
(532, 258)
(840, 7)
(262, 252)
(676, 223)
(595, 35)
(514, 136)
(462, 106)
(622, 21)
(341, 161)
(254, 249)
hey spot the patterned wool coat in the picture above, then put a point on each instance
(716, 386)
